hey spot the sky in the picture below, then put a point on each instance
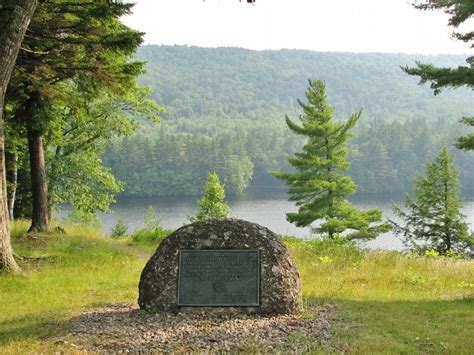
(392, 26)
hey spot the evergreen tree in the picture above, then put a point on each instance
(319, 186)
(151, 221)
(68, 43)
(459, 11)
(212, 203)
(119, 230)
(433, 220)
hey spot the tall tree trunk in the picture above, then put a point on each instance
(12, 172)
(15, 16)
(39, 186)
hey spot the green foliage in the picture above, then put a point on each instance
(433, 220)
(150, 219)
(76, 75)
(459, 11)
(119, 230)
(377, 167)
(174, 159)
(318, 185)
(195, 83)
(466, 142)
(152, 231)
(212, 204)
(444, 77)
(153, 236)
(156, 162)
(241, 137)
(81, 217)
(76, 171)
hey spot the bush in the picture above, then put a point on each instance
(152, 232)
(149, 236)
(212, 204)
(151, 220)
(80, 217)
(119, 230)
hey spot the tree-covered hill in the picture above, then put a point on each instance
(225, 82)
(226, 108)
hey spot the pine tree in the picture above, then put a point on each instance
(459, 11)
(119, 230)
(80, 44)
(319, 186)
(212, 204)
(433, 220)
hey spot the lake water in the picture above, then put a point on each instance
(267, 209)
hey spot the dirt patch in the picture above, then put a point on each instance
(124, 328)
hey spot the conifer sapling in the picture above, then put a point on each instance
(433, 219)
(212, 204)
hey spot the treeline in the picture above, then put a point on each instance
(386, 156)
(170, 160)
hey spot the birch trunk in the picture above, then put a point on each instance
(12, 171)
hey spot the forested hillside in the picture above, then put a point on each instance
(226, 108)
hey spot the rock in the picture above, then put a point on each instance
(280, 290)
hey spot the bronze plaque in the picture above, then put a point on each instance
(219, 278)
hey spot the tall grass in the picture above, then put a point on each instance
(338, 270)
(390, 302)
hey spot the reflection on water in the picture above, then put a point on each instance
(267, 209)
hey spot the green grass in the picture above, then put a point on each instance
(83, 270)
(390, 302)
(387, 302)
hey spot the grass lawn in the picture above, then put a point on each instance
(387, 302)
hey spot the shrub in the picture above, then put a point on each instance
(152, 232)
(119, 230)
(80, 217)
(149, 236)
(212, 204)
(151, 220)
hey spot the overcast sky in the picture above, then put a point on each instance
(321, 25)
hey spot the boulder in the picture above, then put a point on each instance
(280, 290)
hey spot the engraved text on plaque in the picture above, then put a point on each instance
(219, 278)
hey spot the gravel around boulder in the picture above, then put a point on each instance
(125, 328)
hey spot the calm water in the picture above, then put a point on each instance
(268, 210)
